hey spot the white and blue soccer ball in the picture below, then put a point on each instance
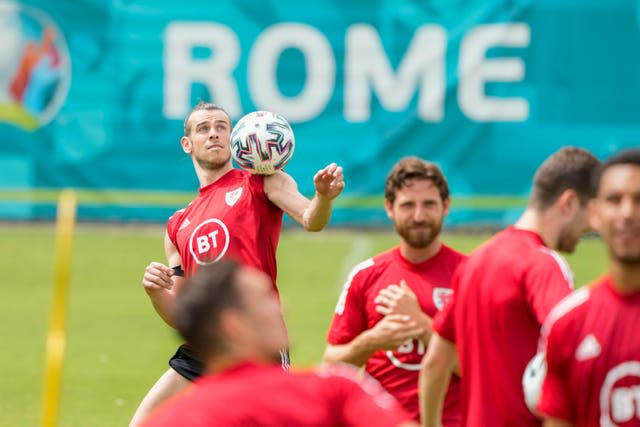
(532, 381)
(262, 142)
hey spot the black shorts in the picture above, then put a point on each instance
(185, 363)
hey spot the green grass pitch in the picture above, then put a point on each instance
(117, 346)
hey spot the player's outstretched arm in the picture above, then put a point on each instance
(437, 366)
(312, 214)
(388, 334)
(161, 283)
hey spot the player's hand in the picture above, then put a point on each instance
(392, 331)
(157, 276)
(329, 181)
(398, 299)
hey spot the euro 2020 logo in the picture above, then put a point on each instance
(35, 70)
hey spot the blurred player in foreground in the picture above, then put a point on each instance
(230, 316)
(383, 317)
(504, 292)
(236, 215)
(593, 345)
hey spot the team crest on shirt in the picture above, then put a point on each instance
(209, 241)
(441, 296)
(232, 196)
(620, 394)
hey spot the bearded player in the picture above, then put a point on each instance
(383, 317)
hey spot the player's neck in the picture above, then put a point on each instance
(209, 176)
(237, 352)
(221, 363)
(625, 278)
(539, 223)
(418, 255)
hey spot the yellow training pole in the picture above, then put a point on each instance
(65, 221)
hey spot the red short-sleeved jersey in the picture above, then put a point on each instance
(504, 291)
(231, 217)
(397, 370)
(593, 359)
(255, 395)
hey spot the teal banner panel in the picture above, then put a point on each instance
(93, 94)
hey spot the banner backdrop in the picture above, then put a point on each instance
(93, 93)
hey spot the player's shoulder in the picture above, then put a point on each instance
(177, 214)
(568, 312)
(175, 219)
(361, 273)
(360, 276)
(372, 264)
(544, 258)
(376, 265)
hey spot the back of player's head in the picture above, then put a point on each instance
(201, 302)
(202, 106)
(570, 168)
(413, 168)
(627, 157)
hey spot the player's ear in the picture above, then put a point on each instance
(568, 201)
(388, 207)
(186, 144)
(594, 218)
(232, 324)
(445, 206)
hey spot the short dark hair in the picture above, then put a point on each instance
(630, 156)
(570, 168)
(200, 106)
(410, 168)
(201, 302)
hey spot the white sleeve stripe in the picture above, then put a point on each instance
(566, 305)
(342, 300)
(563, 264)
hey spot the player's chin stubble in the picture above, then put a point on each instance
(212, 164)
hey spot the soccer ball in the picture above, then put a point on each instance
(262, 142)
(532, 381)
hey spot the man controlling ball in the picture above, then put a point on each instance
(236, 215)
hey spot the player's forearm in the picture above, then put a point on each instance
(437, 367)
(317, 214)
(163, 302)
(433, 386)
(357, 352)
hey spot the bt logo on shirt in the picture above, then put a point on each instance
(411, 353)
(620, 395)
(209, 241)
(412, 350)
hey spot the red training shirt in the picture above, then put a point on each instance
(231, 217)
(398, 370)
(256, 395)
(504, 291)
(593, 358)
